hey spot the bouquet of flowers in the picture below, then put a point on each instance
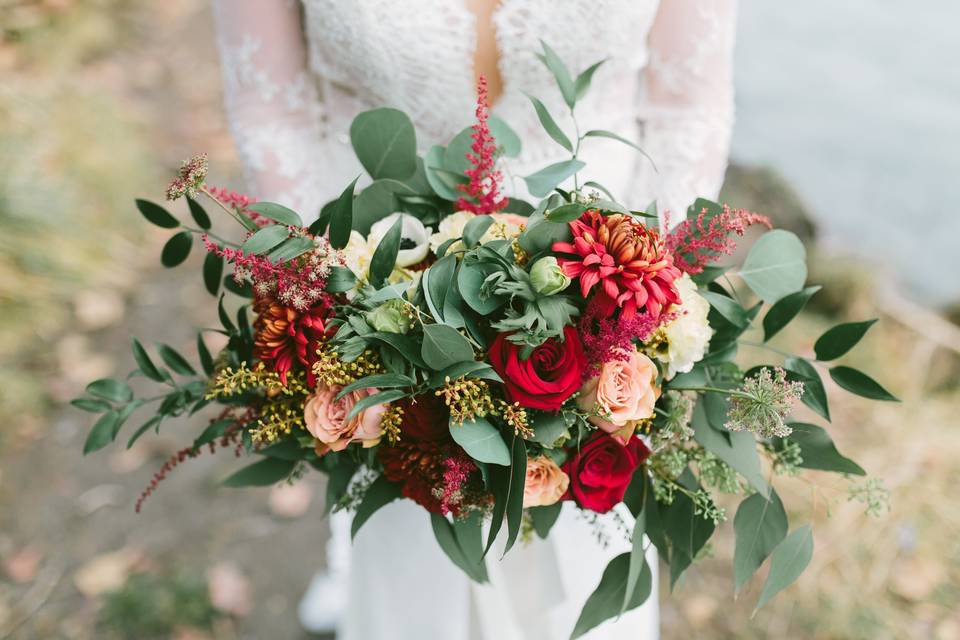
(430, 339)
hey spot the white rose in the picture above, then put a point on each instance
(689, 334)
(450, 227)
(411, 231)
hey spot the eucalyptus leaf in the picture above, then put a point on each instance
(340, 279)
(776, 265)
(606, 600)
(277, 213)
(786, 309)
(102, 432)
(155, 214)
(474, 230)
(379, 494)
(759, 526)
(565, 213)
(265, 239)
(560, 73)
(602, 133)
(341, 217)
(582, 84)
(727, 307)
(385, 143)
(550, 125)
(381, 397)
(818, 451)
(262, 474)
(110, 389)
(290, 249)
(541, 183)
(814, 395)
(443, 346)
(789, 560)
(384, 258)
(861, 384)
(481, 440)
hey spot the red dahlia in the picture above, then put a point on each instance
(627, 259)
(284, 337)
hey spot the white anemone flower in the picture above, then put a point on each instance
(415, 239)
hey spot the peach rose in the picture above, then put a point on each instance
(546, 483)
(623, 393)
(326, 419)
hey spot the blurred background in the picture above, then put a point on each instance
(848, 121)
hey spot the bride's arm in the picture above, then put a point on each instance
(687, 109)
(272, 104)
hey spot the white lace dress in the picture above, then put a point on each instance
(295, 75)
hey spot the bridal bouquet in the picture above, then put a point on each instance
(428, 338)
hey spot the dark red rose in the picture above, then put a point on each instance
(547, 378)
(601, 470)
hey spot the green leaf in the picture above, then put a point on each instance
(157, 215)
(469, 533)
(470, 279)
(784, 310)
(225, 317)
(737, 449)
(378, 381)
(602, 133)
(176, 250)
(560, 73)
(789, 560)
(638, 559)
(550, 125)
(506, 484)
(709, 274)
(518, 478)
(540, 233)
(565, 213)
(340, 279)
(481, 440)
(840, 339)
(443, 346)
(582, 84)
(385, 143)
(91, 404)
(728, 308)
(146, 426)
(206, 360)
(145, 364)
(175, 361)
(377, 201)
(341, 217)
(606, 600)
(381, 397)
(102, 432)
(440, 183)
(278, 213)
(686, 530)
(262, 474)
(243, 289)
(776, 265)
(110, 389)
(819, 452)
(214, 430)
(760, 525)
(861, 384)
(547, 427)
(541, 183)
(814, 395)
(470, 369)
(381, 493)
(291, 248)
(265, 239)
(385, 257)
(508, 142)
(544, 518)
(447, 539)
(436, 283)
(212, 272)
(474, 230)
(199, 214)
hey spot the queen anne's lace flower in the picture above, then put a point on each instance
(762, 403)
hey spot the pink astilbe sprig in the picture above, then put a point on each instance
(240, 203)
(455, 476)
(606, 339)
(696, 242)
(483, 189)
(299, 283)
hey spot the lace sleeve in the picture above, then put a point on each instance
(272, 103)
(687, 109)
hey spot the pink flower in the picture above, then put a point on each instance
(623, 393)
(627, 259)
(545, 484)
(326, 419)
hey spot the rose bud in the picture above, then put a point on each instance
(391, 317)
(547, 276)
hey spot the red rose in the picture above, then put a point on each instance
(551, 374)
(601, 469)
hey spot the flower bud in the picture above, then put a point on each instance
(390, 317)
(547, 276)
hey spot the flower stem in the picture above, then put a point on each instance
(233, 214)
(211, 234)
(729, 392)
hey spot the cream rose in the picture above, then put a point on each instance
(623, 393)
(688, 335)
(326, 419)
(545, 484)
(449, 228)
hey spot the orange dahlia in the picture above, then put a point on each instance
(284, 336)
(627, 259)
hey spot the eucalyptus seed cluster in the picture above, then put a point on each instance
(467, 398)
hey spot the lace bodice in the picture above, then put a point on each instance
(296, 74)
